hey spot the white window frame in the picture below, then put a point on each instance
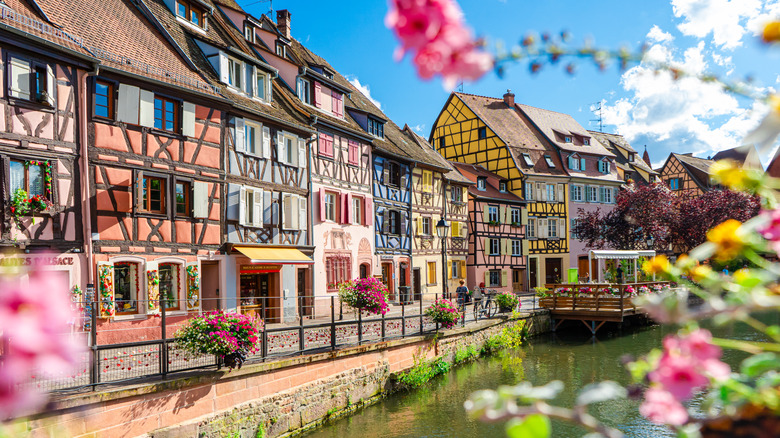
(552, 228)
(549, 161)
(573, 224)
(551, 192)
(232, 64)
(529, 191)
(261, 77)
(481, 183)
(516, 215)
(493, 212)
(330, 207)
(593, 190)
(567, 138)
(607, 195)
(575, 162)
(303, 90)
(577, 194)
(531, 230)
(497, 273)
(586, 141)
(249, 32)
(357, 210)
(426, 226)
(517, 247)
(528, 160)
(454, 269)
(256, 141)
(495, 246)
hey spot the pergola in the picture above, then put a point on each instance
(619, 255)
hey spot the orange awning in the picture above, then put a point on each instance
(282, 256)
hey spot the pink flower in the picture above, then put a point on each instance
(697, 344)
(678, 375)
(661, 407)
(771, 231)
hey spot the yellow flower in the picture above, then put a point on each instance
(729, 174)
(700, 272)
(657, 265)
(726, 237)
(771, 32)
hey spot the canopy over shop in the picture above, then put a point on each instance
(619, 255)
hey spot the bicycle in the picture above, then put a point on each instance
(485, 306)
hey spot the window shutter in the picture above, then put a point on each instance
(456, 229)
(224, 68)
(21, 74)
(285, 211)
(294, 154)
(404, 179)
(524, 217)
(486, 248)
(542, 231)
(464, 231)
(105, 272)
(200, 199)
(404, 217)
(385, 172)
(368, 211)
(257, 211)
(582, 164)
(616, 190)
(267, 207)
(280, 153)
(525, 248)
(419, 221)
(462, 270)
(385, 221)
(139, 190)
(242, 206)
(50, 85)
(348, 213)
(504, 278)
(233, 200)
(502, 214)
(269, 95)
(485, 213)
(188, 119)
(571, 162)
(146, 105)
(505, 246)
(562, 228)
(464, 193)
(571, 191)
(561, 193)
(128, 104)
(266, 142)
(302, 213)
(322, 205)
(292, 207)
(303, 157)
(317, 94)
(193, 286)
(487, 278)
(251, 84)
(449, 269)
(274, 208)
(240, 139)
(153, 287)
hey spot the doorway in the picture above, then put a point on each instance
(582, 268)
(533, 270)
(387, 277)
(305, 300)
(209, 286)
(517, 280)
(417, 284)
(553, 268)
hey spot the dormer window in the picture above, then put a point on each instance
(502, 186)
(235, 72)
(189, 12)
(576, 163)
(528, 160)
(249, 33)
(262, 81)
(327, 73)
(481, 183)
(281, 49)
(604, 165)
(586, 141)
(303, 90)
(567, 138)
(376, 128)
(549, 161)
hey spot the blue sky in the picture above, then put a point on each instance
(686, 116)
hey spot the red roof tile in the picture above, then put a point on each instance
(472, 172)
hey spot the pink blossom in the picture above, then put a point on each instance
(678, 375)
(698, 344)
(662, 407)
(771, 231)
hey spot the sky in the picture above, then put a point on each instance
(649, 109)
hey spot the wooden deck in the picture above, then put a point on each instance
(594, 307)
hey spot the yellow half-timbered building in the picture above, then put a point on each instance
(496, 135)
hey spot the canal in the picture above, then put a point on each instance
(437, 409)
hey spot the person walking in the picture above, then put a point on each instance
(462, 292)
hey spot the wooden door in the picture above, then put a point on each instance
(533, 271)
(305, 301)
(209, 287)
(517, 280)
(553, 267)
(387, 278)
(417, 284)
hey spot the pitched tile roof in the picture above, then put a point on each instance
(23, 17)
(473, 171)
(516, 132)
(449, 171)
(612, 142)
(700, 164)
(747, 155)
(550, 122)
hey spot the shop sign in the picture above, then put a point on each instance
(387, 257)
(36, 261)
(260, 269)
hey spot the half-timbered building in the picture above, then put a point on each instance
(42, 159)
(437, 192)
(594, 176)
(495, 134)
(630, 166)
(686, 175)
(498, 248)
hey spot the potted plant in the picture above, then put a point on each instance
(444, 312)
(507, 301)
(365, 294)
(231, 336)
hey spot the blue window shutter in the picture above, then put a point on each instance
(582, 164)
(571, 162)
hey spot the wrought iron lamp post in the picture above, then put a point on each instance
(442, 229)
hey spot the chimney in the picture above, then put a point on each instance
(509, 98)
(283, 22)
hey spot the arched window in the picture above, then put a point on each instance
(364, 270)
(170, 283)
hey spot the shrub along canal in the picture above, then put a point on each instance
(436, 409)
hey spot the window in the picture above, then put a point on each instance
(28, 177)
(182, 194)
(593, 195)
(482, 133)
(586, 141)
(495, 277)
(517, 215)
(442, 142)
(456, 194)
(492, 213)
(529, 191)
(528, 160)
(495, 246)
(394, 174)
(104, 99)
(552, 227)
(235, 71)
(290, 150)
(502, 186)
(604, 166)
(394, 225)
(551, 192)
(249, 33)
(517, 247)
(606, 195)
(455, 270)
(574, 162)
(481, 183)
(531, 227)
(576, 193)
(431, 273)
(376, 128)
(674, 183)
(357, 211)
(126, 287)
(567, 139)
(303, 90)
(281, 49)
(189, 12)
(260, 81)
(426, 226)
(169, 285)
(251, 138)
(249, 209)
(330, 206)
(338, 269)
(32, 81)
(549, 161)
(165, 114)
(153, 195)
(573, 225)
(427, 181)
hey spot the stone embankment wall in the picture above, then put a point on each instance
(278, 398)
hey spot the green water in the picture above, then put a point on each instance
(437, 409)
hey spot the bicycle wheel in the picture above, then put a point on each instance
(476, 310)
(492, 309)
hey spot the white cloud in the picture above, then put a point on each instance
(771, 11)
(363, 88)
(723, 18)
(656, 35)
(419, 128)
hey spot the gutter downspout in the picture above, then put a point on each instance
(85, 178)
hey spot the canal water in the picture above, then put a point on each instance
(436, 410)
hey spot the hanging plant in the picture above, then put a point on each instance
(193, 285)
(106, 287)
(47, 180)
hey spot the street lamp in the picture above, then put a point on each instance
(442, 228)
